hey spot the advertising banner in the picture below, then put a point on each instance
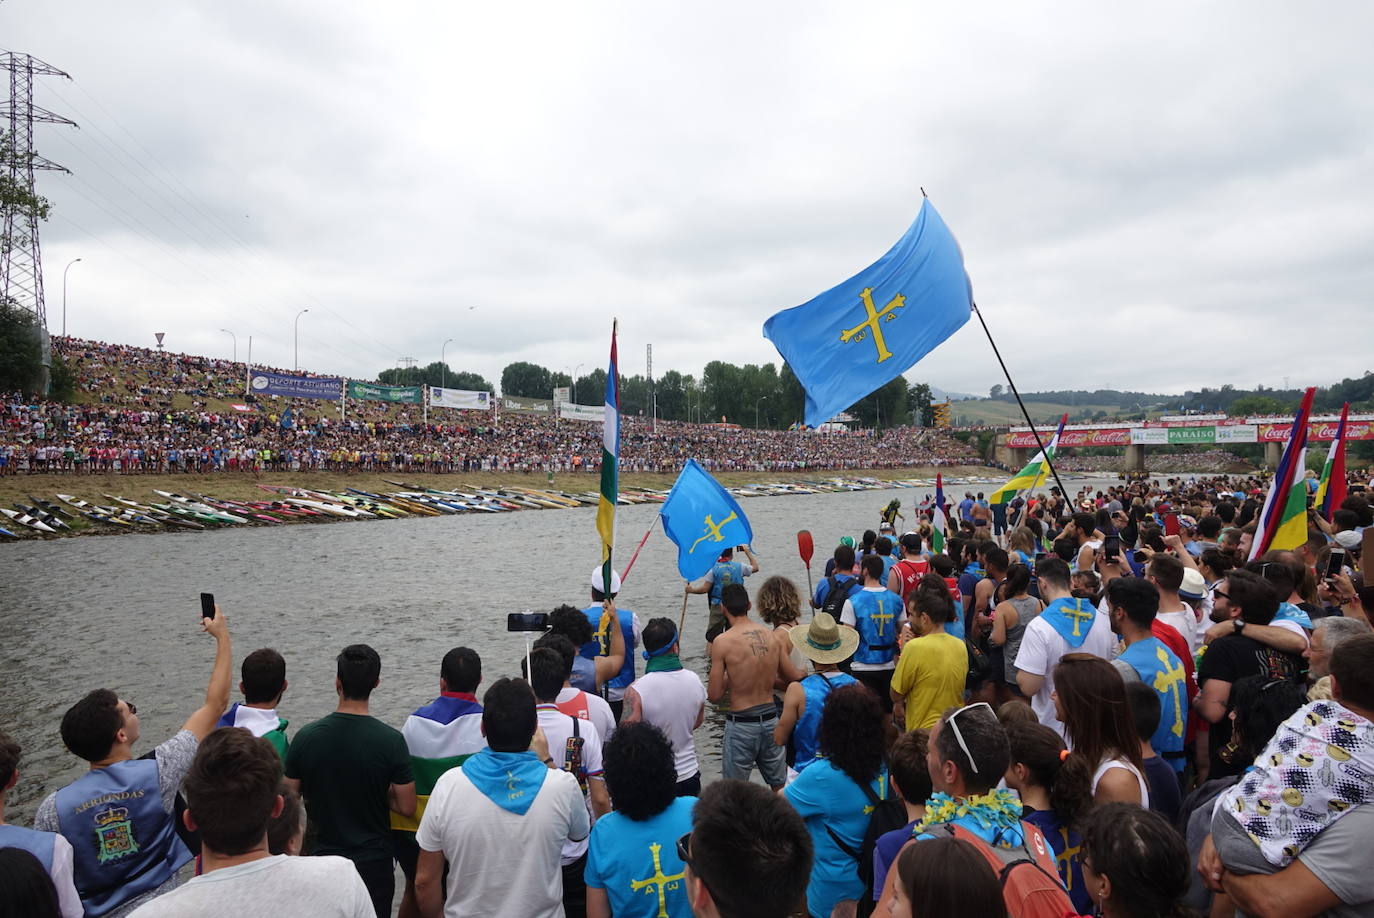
(367, 392)
(570, 412)
(1200, 434)
(560, 395)
(264, 382)
(529, 405)
(1146, 436)
(1114, 436)
(1318, 430)
(460, 398)
(1238, 433)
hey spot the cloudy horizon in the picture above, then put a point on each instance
(1154, 199)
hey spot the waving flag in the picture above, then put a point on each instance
(610, 472)
(856, 336)
(1035, 474)
(703, 520)
(1331, 492)
(939, 522)
(1283, 521)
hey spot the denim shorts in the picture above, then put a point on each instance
(747, 745)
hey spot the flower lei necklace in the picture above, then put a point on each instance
(994, 810)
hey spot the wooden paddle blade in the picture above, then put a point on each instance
(805, 546)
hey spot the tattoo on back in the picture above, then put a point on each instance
(757, 642)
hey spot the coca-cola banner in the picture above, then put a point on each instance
(1318, 430)
(1114, 436)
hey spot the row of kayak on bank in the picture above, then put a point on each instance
(40, 517)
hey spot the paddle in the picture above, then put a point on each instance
(806, 548)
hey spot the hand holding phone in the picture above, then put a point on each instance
(1171, 523)
(527, 621)
(1335, 563)
(207, 605)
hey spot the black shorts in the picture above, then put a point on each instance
(406, 851)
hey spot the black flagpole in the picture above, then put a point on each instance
(1024, 413)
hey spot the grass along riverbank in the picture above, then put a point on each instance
(245, 486)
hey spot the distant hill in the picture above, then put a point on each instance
(1081, 406)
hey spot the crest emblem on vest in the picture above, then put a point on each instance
(115, 834)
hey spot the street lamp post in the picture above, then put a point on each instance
(236, 343)
(443, 366)
(574, 383)
(64, 294)
(761, 398)
(298, 336)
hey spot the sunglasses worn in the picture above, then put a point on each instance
(952, 722)
(1222, 593)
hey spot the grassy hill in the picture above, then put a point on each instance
(986, 411)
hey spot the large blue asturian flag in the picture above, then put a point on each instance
(703, 520)
(858, 335)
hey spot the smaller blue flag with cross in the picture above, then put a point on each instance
(703, 520)
(867, 331)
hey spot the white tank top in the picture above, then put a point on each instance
(1108, 764)
(670, 701)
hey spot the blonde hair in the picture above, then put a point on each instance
(779, 602)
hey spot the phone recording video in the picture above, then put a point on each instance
(1335, 563)
(1111, 548)
(527, 621)
(207, 605)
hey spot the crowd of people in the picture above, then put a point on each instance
(1120, 705)
(144, 411)
(1201, 462)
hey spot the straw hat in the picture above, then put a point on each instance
(823, 641)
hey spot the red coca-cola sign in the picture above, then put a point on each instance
(1114, 436)
(1318, 430)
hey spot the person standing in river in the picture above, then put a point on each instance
(745, 662)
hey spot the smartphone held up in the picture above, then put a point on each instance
(207, 605)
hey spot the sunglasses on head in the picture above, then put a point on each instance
(952, 721)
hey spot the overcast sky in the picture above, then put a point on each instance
(1150, 196)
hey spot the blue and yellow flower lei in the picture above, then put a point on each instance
(997, 809)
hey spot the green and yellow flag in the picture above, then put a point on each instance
(1034, 475)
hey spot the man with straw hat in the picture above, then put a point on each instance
(826, 645)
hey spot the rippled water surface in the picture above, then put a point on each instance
(123, 612)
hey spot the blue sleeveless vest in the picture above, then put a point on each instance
(806, 735)
(1162, 671)
(123, 842)
(626, 675)
(875, 618)
(723, 573)
(39, 844)
(584, 674)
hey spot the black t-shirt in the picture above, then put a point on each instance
(346, 763)
(1231, 658)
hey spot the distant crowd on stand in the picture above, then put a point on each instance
(132, 422)
(1108, 708)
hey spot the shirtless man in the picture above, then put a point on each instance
(744, 661)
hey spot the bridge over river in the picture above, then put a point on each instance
(1018, 445)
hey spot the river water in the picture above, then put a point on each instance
(123, 612)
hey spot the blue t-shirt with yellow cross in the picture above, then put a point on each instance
(636, 863)
(827, 797)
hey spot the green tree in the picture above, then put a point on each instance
(919, 400)
(527, 380)
(995, 391)
(886, 407)
(17, 197)
(791, 407)
(435, 374)
(672, 396)
(591, 389)
(1258, 405)
(21, 355)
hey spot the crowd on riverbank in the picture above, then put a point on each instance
(1120, 692)
(128, 423)
(1202, 462)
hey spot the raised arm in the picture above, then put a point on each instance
(608, 665)
(217, 692)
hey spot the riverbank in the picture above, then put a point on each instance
(238, 486)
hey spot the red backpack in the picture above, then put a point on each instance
(1031, 887)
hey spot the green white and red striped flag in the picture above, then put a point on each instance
(1283, 521)
(610, 471)
(1332, 490)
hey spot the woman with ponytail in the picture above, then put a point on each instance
(933, 667)
(1055, 790)
(1134, 864)
(1090, 700)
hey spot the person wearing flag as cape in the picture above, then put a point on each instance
(1068, 625)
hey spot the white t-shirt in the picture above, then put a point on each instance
(322, 887)
(499, 862)
(847, 617)
(1185, 623)
(1041, 648)
(598, 709)
(672, 701)
(558, 729)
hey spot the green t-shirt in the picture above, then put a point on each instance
(346, 763)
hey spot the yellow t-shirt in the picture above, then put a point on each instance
(931, 674)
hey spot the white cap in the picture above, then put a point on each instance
(1348, 539)
(599, 580)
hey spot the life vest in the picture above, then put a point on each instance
(123, 841)
(875, 618)
(1161, 669)
(806, 735)
(722, 574)
(39, 844)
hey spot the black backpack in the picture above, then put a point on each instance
(836, 596)
(888, 814)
